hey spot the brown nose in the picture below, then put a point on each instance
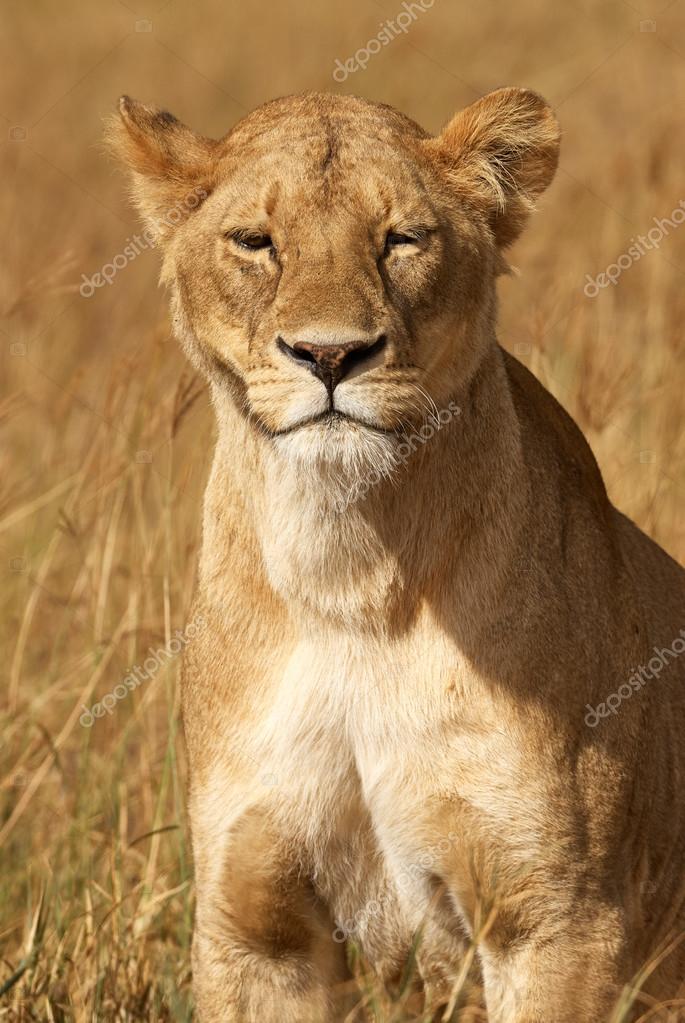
(332, 362)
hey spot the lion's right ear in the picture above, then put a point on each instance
(503, 149)
(172, 167)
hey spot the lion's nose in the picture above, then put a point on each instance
(332, 362)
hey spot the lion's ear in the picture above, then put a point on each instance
(506, 147)
(172, 167)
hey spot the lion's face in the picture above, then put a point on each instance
(338, 279)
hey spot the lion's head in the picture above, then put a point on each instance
(332, 266)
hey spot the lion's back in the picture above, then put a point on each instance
(659, 581)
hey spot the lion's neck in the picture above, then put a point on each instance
(326, 551)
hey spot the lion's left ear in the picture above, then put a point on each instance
(506, 148)
(172, 167)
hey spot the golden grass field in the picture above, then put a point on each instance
(106, 433)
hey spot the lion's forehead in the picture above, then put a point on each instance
(320, 153)
(312, 142)
(322, 115)
(312, 173)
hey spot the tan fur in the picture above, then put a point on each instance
(385, 717)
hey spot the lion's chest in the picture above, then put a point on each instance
(389, 765)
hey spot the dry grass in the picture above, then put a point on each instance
(105, 433)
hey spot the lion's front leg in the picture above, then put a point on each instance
(263, 950)
(575, 976)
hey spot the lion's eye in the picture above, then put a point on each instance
(251, 242)
(394, 240)
(400, 239)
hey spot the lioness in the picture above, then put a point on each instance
(414, 708)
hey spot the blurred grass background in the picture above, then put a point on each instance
(106, 434)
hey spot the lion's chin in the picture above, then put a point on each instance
(344, 451)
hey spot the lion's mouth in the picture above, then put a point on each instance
(332, 419)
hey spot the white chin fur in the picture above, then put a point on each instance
(342, 454)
